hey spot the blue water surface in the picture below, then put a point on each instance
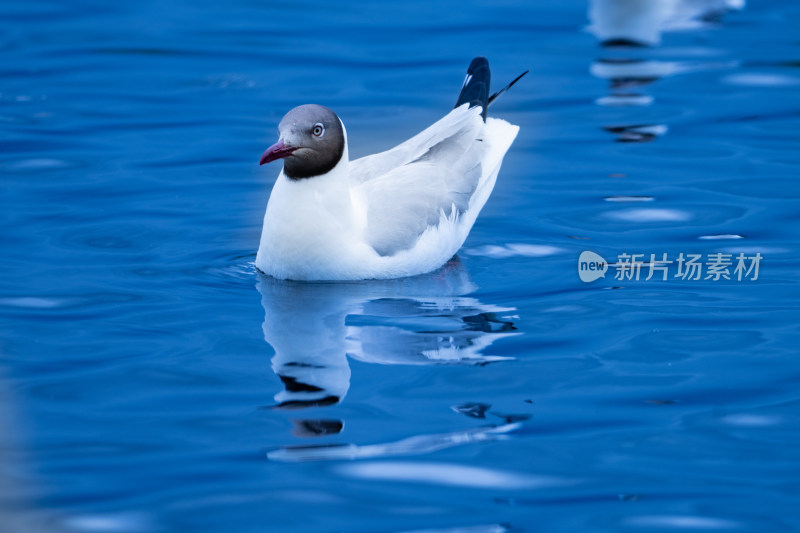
(151, 380)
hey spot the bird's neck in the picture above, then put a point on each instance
(330, 191)
(316, 200)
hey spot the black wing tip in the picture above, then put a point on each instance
(507, 87)
(475, 90)
(476, 63)
(476, 86)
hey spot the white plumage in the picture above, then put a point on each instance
(398, 213)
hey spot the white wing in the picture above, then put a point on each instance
(411, 186)
(375, 165)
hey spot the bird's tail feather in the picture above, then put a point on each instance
(507, 87)
(475, 90)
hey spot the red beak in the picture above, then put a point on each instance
(276, 151)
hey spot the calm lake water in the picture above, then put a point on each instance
(151, 380)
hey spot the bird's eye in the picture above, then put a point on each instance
(319, 130)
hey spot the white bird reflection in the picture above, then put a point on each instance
(620, 25)
(314, 327)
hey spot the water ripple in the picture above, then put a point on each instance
(450, 474)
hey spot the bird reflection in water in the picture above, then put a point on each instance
(626, 28)
(314, 328)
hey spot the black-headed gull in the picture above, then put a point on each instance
(398, 213)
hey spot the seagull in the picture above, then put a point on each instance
(398, 213)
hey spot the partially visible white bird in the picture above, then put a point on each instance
(398, 213)
(641, 22)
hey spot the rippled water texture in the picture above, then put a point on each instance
(151, 380)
